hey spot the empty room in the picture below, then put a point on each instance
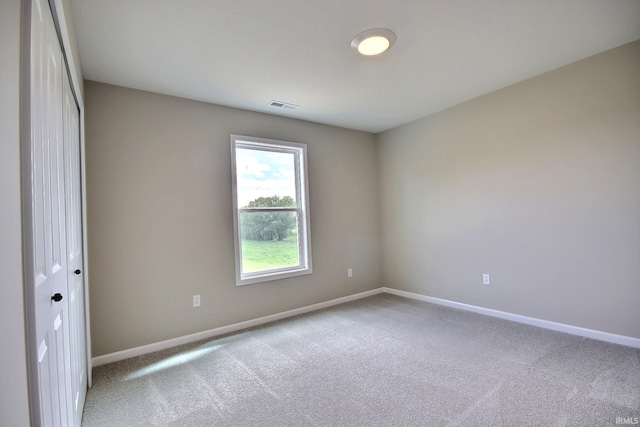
(320, 213)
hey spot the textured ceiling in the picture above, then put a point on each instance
(245, 53)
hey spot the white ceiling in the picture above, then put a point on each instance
(245, 53)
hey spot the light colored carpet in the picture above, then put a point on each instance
(379, 361)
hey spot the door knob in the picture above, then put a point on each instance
(77, 271)
(57, 297)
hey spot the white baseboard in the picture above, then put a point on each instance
(560, 327)
(163, 345)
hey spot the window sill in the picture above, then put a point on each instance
(267, 277)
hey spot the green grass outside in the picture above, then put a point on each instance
(260, 255)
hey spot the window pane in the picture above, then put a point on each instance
(265, 174)
(269, 241)
(270, 203)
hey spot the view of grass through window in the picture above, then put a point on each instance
(260, 255)
(269, 238)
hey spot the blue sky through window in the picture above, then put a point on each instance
(264, 174)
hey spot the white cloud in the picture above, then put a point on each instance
(263, 174)
(250, 165)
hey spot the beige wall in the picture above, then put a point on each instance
(160, 216)
(537, 184)
(14, 403)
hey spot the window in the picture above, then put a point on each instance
(270, 209)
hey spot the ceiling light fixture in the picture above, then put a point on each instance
(374, 42)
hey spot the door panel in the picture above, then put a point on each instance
(46, 382)
(75, 267)
(49, 223)
(57, 364)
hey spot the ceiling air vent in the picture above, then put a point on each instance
(283, 105)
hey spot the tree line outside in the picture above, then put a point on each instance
(269, 239)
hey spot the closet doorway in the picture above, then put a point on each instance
(53, 232)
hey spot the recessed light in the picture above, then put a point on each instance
(374, 41)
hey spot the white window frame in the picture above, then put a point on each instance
(299, 150)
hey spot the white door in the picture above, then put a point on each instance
(47, 215)
(75, 267)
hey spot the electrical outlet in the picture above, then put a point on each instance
(196, 300)
(486, 279)
(349, 272)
